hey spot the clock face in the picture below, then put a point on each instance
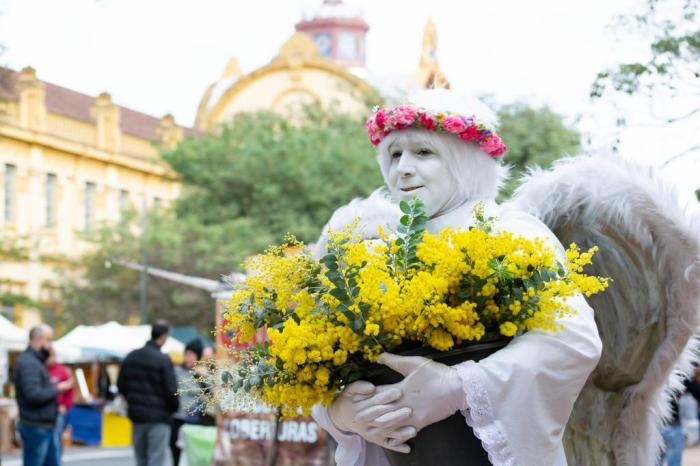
(347, 45)
(323, 42)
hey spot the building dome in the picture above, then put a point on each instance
(339, 31)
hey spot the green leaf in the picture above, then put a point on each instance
(255, 381)
(348, 313)
(357, 325)
(334, 277)
(340, 295)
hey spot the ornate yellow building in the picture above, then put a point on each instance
(67, 162)
(321, 62)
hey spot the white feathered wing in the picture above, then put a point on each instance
(650, 247)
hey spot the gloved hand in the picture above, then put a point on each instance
(432, 390)
(373, 415)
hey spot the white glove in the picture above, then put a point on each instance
(432, 390)
(373, 415)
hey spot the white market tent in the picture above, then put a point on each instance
(12, 337)
(110, 340)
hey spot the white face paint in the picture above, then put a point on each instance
(417, 169)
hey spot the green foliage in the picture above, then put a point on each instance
(244, 187)
(535, 137)
(110, 291)
(13, 248)
(410, 233)
(673, 34)
(273, 176)
(697, 193)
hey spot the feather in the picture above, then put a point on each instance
(371, 212)
(650, 247)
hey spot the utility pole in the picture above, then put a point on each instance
(143, 275)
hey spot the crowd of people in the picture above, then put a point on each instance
(160, 397)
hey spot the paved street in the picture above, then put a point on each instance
(85, 456)
(691, 456)
(88, 456)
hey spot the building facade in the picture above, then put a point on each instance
(68, 162)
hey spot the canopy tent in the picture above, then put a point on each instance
(111, 341)
(12, 337)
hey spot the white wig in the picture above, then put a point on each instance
(477, 175)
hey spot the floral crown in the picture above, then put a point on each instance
(468, 128)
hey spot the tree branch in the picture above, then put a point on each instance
(681, 154)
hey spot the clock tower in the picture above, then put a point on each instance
(338, 30)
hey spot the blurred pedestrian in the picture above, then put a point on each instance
(673, 435)
(36, 398)
(57, 374)
(191, 409)
(147, 381)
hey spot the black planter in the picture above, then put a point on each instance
(451, 441)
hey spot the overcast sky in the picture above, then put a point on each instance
(158, 56)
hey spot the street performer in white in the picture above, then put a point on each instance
(547, 398)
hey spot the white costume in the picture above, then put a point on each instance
(548, 398)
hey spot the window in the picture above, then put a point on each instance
(50, 200)
(123, 203)
(347, 45)
(89, 204)
(9, 193)
(323, 42)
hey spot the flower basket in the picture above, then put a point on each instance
(450, 441)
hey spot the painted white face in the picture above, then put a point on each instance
(417, 169)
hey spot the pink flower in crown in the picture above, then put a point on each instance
(376, 137)
(427, 122)
(453, 124)
(470, 133)
(380, 118)
(493, 146)
(375, 134)
(402, 116)
(370, 126)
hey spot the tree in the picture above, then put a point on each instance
(244, 187)
(673, 34)
(670, 32)
(535, 137)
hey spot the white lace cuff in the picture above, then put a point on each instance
(481, 417)
(351, 447)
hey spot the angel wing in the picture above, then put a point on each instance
(372, 212)
(650, 247)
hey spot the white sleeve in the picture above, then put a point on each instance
(519, 399)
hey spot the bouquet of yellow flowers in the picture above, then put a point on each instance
(327, 320)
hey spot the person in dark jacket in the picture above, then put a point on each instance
(147, 381)
(36, 398)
